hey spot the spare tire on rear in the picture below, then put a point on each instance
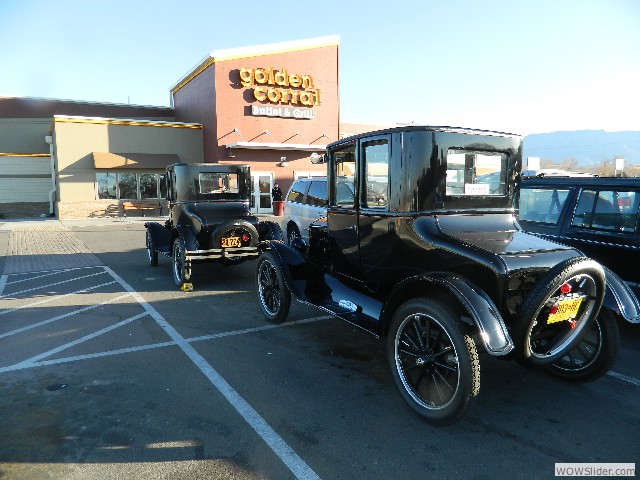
(561, 304)
(235, 228)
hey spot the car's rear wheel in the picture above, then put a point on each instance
(573, 289)
(274, 297)
(181, 273)
(152, 253)
(434, 364)
(292, 233)
(594, 353)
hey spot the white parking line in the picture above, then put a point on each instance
(50, 285)
(3, 282)
(288, 456)
(624, 378)
(54, 298)
(53, 351)
(60, 317)
(153, 346)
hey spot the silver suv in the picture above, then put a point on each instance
(306, 201)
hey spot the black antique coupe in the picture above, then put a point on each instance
(426, 251)
(209, 219)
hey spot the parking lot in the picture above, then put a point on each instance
(107, 370)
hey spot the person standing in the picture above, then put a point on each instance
(276, 193)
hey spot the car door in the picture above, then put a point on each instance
(342, 212)
(376, 229)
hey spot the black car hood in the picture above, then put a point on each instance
(494, 233)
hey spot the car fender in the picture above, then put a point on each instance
(620, 298)
(187, 236)
(268, 230)
(297, 269)
(482, 310)
(160, 235)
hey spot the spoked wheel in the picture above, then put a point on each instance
(594, 353)
(152, 253)
(181, 273)
(292, 234)
(435, 366)
(273, 295)
(561, 304)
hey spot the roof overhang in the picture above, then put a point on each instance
(277, 146)
(133, 160)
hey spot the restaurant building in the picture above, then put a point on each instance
(272, 107)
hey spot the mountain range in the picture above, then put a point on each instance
(587, 147)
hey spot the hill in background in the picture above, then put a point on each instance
(589, 148)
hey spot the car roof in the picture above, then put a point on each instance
(430, 128)
(593, 182)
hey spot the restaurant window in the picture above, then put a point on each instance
(130, 186)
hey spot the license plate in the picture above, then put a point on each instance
(567, 309)
(227, 242)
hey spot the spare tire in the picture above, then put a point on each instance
(561, 304)
(235, 228)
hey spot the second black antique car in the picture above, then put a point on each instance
(209, 219)
(427, 252)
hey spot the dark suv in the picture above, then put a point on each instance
(599, 216)
(428, 253)
(209, 219)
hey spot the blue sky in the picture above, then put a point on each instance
(527, 66)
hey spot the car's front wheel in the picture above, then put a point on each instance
(181, 273)
(594, 353)
(434, 364)
(274, 297)
(561, 304)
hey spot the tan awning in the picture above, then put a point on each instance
(134, 160)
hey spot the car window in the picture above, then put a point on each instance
(476, 173)
(606, 210)
(376, 162)
(211, 182)
(344, 164)
(296, 194)
(317, 195)
(542, 205)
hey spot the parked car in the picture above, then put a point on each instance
(209, 219)
(434, 260)
(306, 202)
(599, 216)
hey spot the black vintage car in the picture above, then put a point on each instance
(209, 219)
(600, 216)
(427, 252)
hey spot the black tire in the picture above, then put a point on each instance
(594, 354)
(274, 297)
(152, 253)
(539, 343)
(181, 273)
(435, 366)
(292, 233)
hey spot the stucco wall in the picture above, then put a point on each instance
(76, 140)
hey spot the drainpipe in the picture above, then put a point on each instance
(52, 192)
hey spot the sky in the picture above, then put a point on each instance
(525, 66)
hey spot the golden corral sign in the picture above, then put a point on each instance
(280, 86)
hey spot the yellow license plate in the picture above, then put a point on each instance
(227, 242)
(567, 309)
